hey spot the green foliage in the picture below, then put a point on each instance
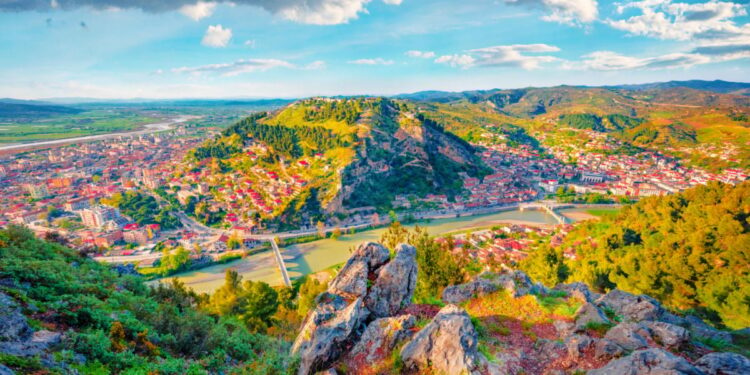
(253, 302)
(122, 326)
(688, 250)
(143, 209)
(309, 291)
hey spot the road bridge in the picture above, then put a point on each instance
(548, 207)
(280, 262)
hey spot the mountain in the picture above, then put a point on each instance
(723, 87)
(320, 157)
(12, 109)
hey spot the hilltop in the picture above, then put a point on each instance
(321, 157)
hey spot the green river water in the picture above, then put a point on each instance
(318, 255)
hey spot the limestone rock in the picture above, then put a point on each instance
(13, 324)
(630, 336)
(631, 307)
(669, 335)
(327, 331)
(519, 284)
(648, 362)
(6, 371)
(352, 279)
(448, 344)
(381, 337)
(606, 349)
(589, 314)
(578, 344)
(563, 328)
(460, 293)
(724, 364)
(578, 290)
(699, 329)
(395, 283)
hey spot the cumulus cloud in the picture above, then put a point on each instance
(319, 12)
(725, 51)
(376, 61)
(235, 68)
(665, 19)
(199, 10)
(608, 61)
(420, 54)
(564, 11)
(217, 36)
(525, 56)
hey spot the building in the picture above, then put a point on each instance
(37, 190)
(98, 216)
(77, 204)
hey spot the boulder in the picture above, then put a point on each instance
(630, 336)
(35, 345)
(579, 291)
(563, 328)
(631, 307)
(519, 284)
(448, 344)
(13, 324)
(578, 344)
(395, 283)
(352, 280)
(460, 293)
(327, 331)
(605, 349)
(381, 337)
(648, 362)
(669, 335)
(589, 314)
(724, 364)
(6, 371)
(701, 330)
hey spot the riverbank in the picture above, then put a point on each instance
(314, 256)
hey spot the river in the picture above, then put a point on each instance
(148, 128)
(318, 255)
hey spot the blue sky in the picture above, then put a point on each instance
(295, 48)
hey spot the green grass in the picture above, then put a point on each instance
(70, 126)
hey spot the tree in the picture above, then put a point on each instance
(259, 303)
(395, 235)
(321, 226)
(226, 299)
(336, 233)
(437, 267)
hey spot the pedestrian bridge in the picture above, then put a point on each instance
(548, 207)
(280, 261)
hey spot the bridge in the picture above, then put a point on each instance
(280, 262)
(548, 207)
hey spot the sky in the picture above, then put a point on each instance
(123, 49)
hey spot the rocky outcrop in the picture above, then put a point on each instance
(447, 345)
(369, 286)
(606, 349)
(578, 344)
(699, 329)
(723, 364)
(578, 290)
(395, 283)
(631, 307)
(460, 293)
(13, 324)
(588, 314)
(515, 282)
(381, 337)
(648, 362)
(5, 371)
(629, 336)
(668, 335)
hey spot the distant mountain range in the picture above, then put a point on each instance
(31, 109)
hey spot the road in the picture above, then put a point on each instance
(149, 128)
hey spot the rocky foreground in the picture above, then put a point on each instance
(498, 324)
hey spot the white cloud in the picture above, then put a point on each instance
(517, 55)
(217, 36)
(250, 43)
(664, 19)
(318, 12)
(315, 65)
(420, 54)
(608, 61)
(564, 11)
(199, 10)
(237, 67)
(376, 61)
(461, 61)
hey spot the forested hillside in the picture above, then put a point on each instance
(689, 250)
(62, 311)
